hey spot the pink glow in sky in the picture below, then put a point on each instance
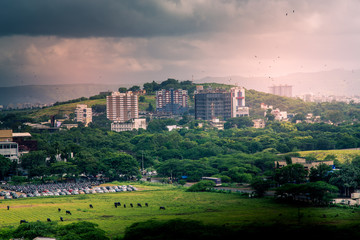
(122, 42)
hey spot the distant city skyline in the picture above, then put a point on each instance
(133, 42)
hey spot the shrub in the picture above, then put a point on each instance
(201, 186)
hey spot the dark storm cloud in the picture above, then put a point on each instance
(95, 18)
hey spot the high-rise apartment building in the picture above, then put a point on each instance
(83, 114)
(238, 108)
(281, 90)
(122, 107)
(172, 101)
(210, 104)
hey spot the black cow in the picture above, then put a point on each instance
(59, 209)
(23, 221)
(68, 212)
(146, 204)
(61, 219)
(162, 208)
(49, 220)
(118, 203)
(115, 204)
(139, 205)
(124, 205)
(8, 207)
(131, 205)
(91, 206)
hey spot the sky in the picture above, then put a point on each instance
(136, 41)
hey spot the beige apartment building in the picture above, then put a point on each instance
(122, 107)
(83, 114)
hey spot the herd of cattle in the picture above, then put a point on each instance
(67, 212)
(59, 189)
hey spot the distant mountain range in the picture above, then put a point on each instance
(335, 82)
(48, 94)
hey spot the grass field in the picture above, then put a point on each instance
(213, 208)
(342, 154)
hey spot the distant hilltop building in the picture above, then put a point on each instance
(172, 101)
(83, 114)
(122, 107)
(281, 90)
(238, 108)
(219, 103)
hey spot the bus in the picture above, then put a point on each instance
(217, 181)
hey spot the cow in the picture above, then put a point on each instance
(23, 221)
(131, 205)
(49, 220)
(59, 209)
(8, 207)
(61, 219)
(146, 204)
(139, 205)
(116, 204)
(162, 208)
(91, 206)
(124, 205)
(68, 212)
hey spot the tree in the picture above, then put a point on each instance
(34, 162)
(293, 173)
(239, 122)
(134, 88)
(5, 164)
(260, 185)
(121, 165)
(346, 179)
(81, 231)
(320, 173)
(319, 192)
(32, 230)
(201, 186)
(122, 89)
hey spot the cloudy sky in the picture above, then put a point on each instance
(137, 41)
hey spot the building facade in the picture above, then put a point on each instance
(10, 150)
(129, 126)
(122, 107)
(281, 90)
(238, 108)
(83, 114)
(213, 104)
(172, 101)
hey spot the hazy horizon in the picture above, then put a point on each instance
(132, 42)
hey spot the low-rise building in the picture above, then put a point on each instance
(10, 150)
(136, 124)
(302, 161)
(259, 123)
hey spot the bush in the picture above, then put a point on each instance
(32, 230)
(202, 186)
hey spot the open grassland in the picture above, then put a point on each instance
(342, 155)
(65, 108)
(68, 108)
(212, 208)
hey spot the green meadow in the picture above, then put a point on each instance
(342, 155)
(235, 210)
